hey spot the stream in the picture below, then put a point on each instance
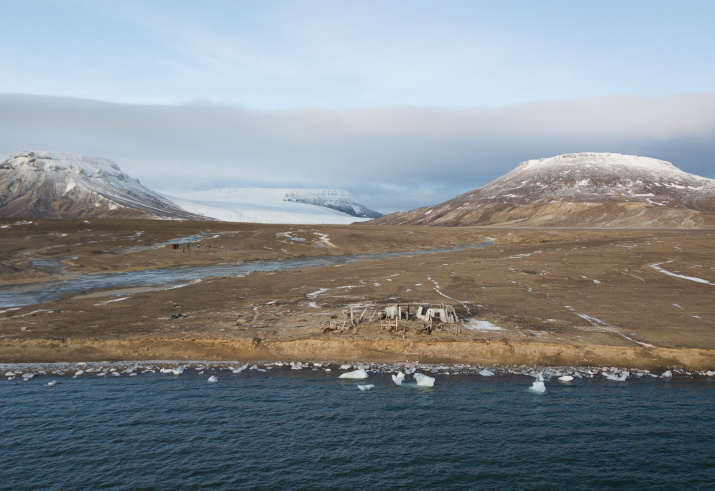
(72, 284)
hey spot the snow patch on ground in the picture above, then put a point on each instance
(477, 325)
(681, 276)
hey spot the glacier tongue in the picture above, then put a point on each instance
(274, 205)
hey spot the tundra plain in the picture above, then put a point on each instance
(588, 297)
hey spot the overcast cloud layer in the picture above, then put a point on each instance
(391, 158)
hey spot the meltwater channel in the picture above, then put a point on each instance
(148, 279)
(305, 429)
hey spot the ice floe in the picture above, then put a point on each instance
(424, 380)
(566, 378)
(398, 378)
(213, 378)
(618, 378)
(486, 373)
(538, 385)
(355, 374)
(366, 387)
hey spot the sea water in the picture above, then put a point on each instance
(307, 429)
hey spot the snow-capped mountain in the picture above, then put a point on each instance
(61, 185)
(275, 205)
(585, 189)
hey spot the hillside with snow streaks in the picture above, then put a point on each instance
(62, 185)
(274, 205)
(585, 189)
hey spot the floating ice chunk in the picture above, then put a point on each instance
(398, 378)
(345, 367)
(566, 378)
(710, 373)
(213, 379)
(666, 374)
(366, 387)
(101, 374)
(486, 373)
(27, 376)
(328, 370)
(618, 378)
(51, 384)
(116, 374)
(355, 374)
(538, 387)
(132, 374)
(424, 380)
(10, 374)
(10, 378)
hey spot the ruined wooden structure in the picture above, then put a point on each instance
(431, 315)
(395, 317)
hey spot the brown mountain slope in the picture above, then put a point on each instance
(579, 190)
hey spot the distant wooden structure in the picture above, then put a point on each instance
(395, 317)
(430, 314)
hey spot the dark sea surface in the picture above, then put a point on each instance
(304, 429)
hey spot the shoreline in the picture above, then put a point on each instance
(354, 351)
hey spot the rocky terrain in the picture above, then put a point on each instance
(579, 190)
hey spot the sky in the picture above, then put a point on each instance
(403, 103)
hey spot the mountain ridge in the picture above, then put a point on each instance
(39, 184)
(584, 189)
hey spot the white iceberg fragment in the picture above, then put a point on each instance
(566, 378)
(132, 374)
(538, 387)
(618, 378)
(51, 384)
(398, 378)
(424, 380)
(345, 367)
(666, 374)
(355, 374)
(710, 373)
(212, 378)
(486, 373)
(366, 387)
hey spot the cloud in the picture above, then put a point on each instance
(390, 157)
